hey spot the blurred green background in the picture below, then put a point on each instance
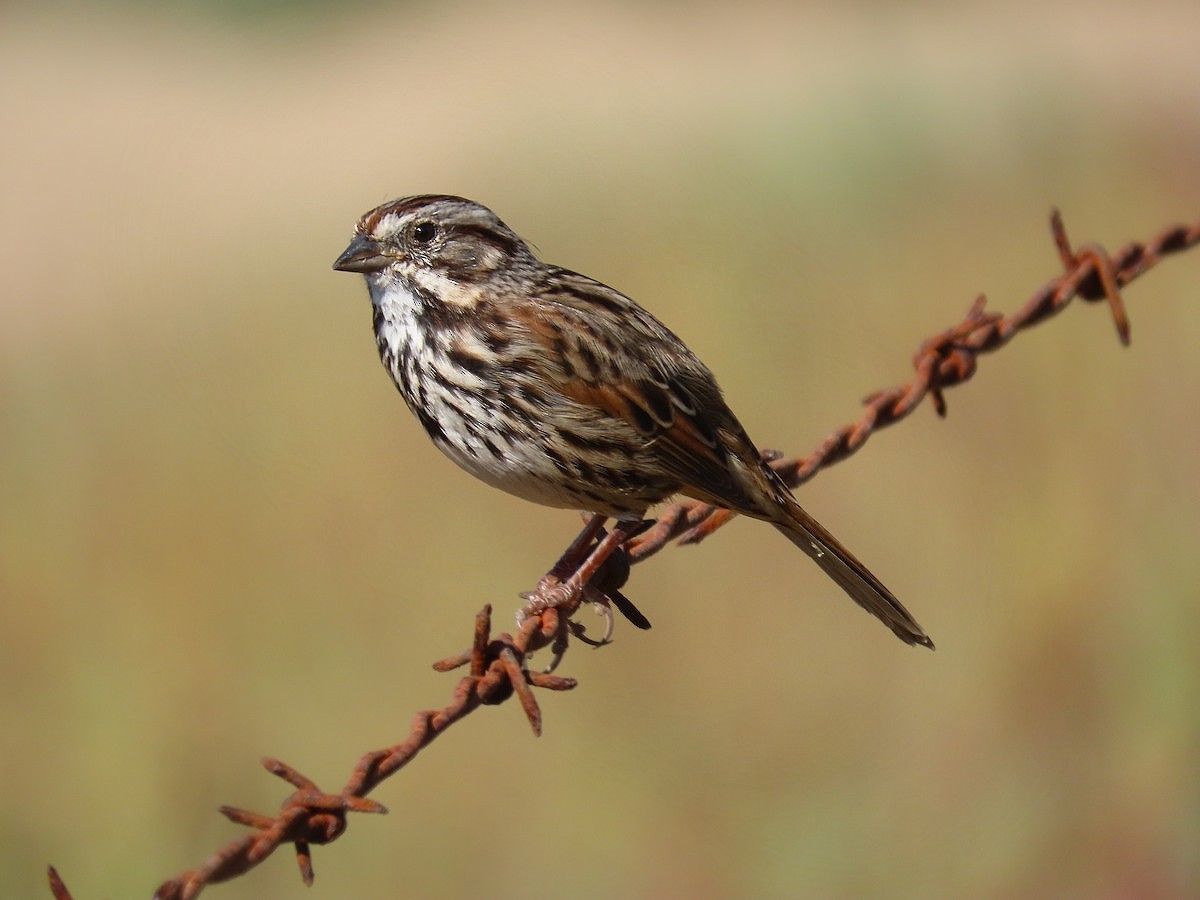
(222, 536)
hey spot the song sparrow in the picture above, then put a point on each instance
(557, 388)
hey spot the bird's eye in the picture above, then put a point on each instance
(423, 232)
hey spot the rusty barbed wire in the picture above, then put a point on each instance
(497, 664)
(946, 360)
(310, 816)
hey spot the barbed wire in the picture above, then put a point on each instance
(946, 360)
(497, 667)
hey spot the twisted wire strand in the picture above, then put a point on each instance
(946, 360)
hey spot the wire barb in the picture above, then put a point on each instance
(498, 665)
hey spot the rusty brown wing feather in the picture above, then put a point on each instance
(640, 374)
(633, 368)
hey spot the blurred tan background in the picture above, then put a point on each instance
(222, 536)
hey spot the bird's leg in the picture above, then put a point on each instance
(573, 555)
(621, 532)
(553, 592)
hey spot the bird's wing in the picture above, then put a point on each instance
(620, 360)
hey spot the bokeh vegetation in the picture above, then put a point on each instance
(222, 537)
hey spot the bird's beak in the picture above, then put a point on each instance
(364, 255)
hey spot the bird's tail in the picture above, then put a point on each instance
(854, 578)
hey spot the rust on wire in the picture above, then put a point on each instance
(498, 665)
(946, 360)
(310, 816)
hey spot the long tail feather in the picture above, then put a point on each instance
(854, 578)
